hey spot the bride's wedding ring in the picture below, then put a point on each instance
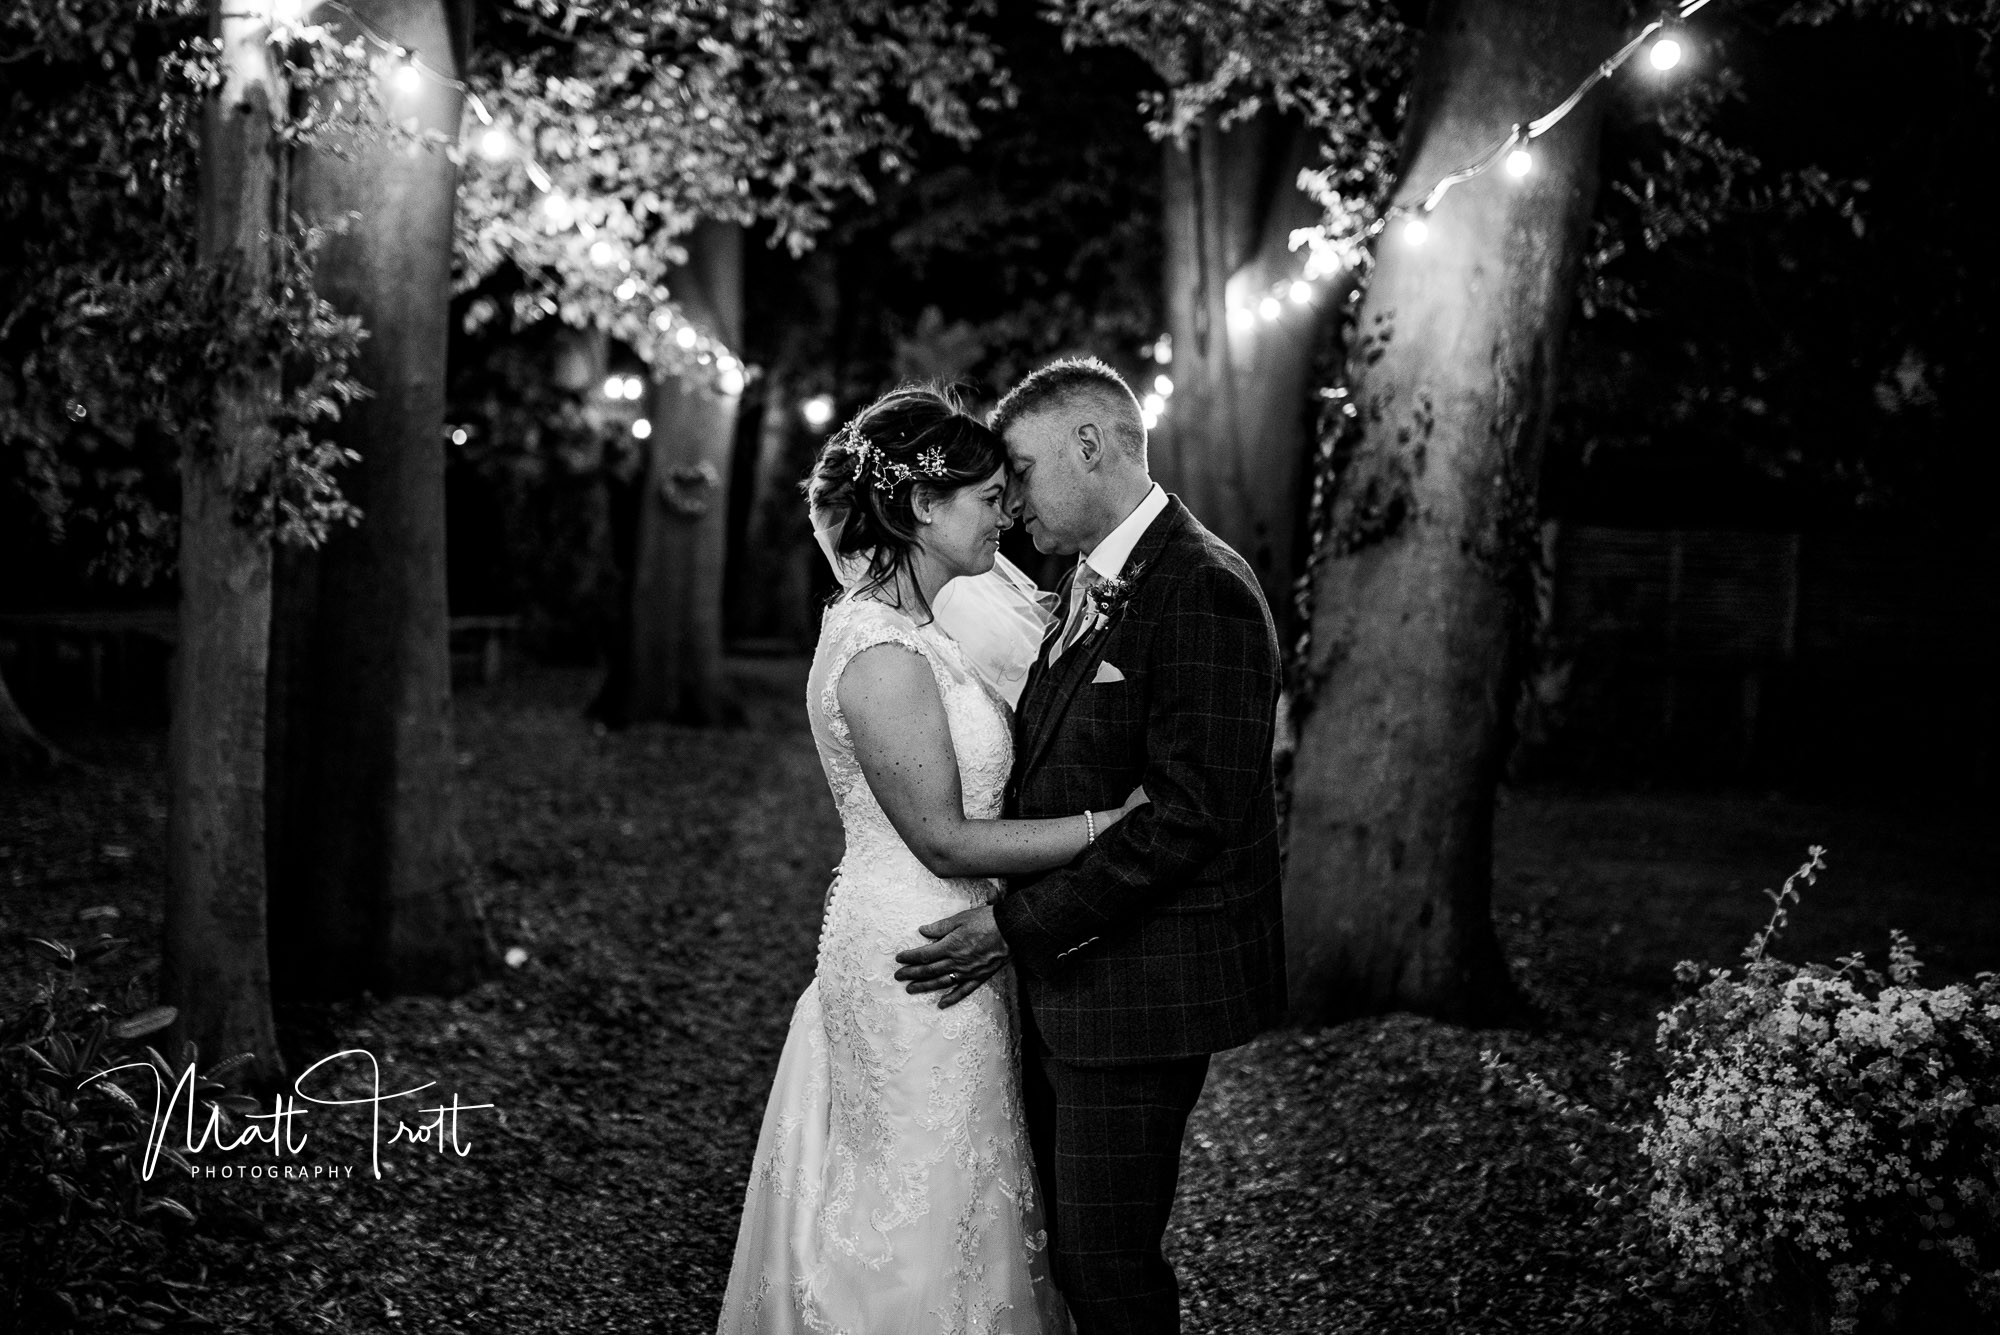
(951, 977)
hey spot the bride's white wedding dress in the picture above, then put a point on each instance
(893, 1191)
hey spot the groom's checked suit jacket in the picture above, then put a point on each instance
(1164, 938)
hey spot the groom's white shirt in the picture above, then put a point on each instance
(1109, 558)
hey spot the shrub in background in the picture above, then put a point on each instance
(78, 1221)
(1831, 1131)
(1824, 1151)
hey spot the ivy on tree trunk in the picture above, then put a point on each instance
(214, 968)
(1419, 591)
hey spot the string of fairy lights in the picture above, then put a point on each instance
(1512, 152)
(407, 73)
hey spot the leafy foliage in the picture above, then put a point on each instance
(1037, 242)
(1830, 1116)
(1819, 1136)
(79, 1221)
(117, 333)
(1344, 69)
(1815, 311)
(642, 119)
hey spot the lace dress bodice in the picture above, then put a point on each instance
(981, 736)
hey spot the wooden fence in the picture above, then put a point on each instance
(113, 663)
(1758, 653)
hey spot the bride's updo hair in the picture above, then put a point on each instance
(868, 472)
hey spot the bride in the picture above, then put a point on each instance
(893, 1191)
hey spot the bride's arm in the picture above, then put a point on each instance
(903, 741)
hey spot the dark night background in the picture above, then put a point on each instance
(1763, 621)
(1784, 372)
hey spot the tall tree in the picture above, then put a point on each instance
(214, 967)
(1419, 592)
(771, 587)
(1262, 100)
(167, 364)
(368, 873)
(633, 146)
(676, 639)
(1236, 440)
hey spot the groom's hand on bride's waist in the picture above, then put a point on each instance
(964, 951)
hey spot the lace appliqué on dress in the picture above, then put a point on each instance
(893, 1190)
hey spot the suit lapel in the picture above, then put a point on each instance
(1079, 662)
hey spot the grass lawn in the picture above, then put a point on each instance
(666, 886)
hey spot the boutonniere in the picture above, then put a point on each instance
(1110, 594)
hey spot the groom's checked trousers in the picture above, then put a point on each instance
(1109, 1187)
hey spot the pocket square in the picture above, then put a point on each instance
(1107, 672)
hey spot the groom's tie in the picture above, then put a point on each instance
(1079, 609)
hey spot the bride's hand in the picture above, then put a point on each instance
(1107, 819)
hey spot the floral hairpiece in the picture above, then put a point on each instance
(873, 464)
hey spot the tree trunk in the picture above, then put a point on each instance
(1419, 594)
(1235, 439)
(369, 883)
(684, 510)
(23, 749)
(775, 587)
(214, 965)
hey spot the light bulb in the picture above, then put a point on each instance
(732, 379)
(1269, 308)
(458, 436)
(408, 78)
(686, 337)
(817, 410)
(634, 387)
(1302, 291)
(663, 320)
(614, 388)
(1163, 349)
(1149, 417)
(494, 143)
(627, 290)
(641, 428)
(558, 210)
(602, 252)
(1153, 404)
(1519, 163)
(1666, 53)
(1415, 231)
(1240, 319)
(1163, 385)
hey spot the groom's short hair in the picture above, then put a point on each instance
(1077, 381)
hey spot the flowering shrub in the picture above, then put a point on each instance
(1830, 1119)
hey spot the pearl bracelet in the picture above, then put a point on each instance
(1090, 828)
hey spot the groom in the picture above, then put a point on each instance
(1161, 943)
